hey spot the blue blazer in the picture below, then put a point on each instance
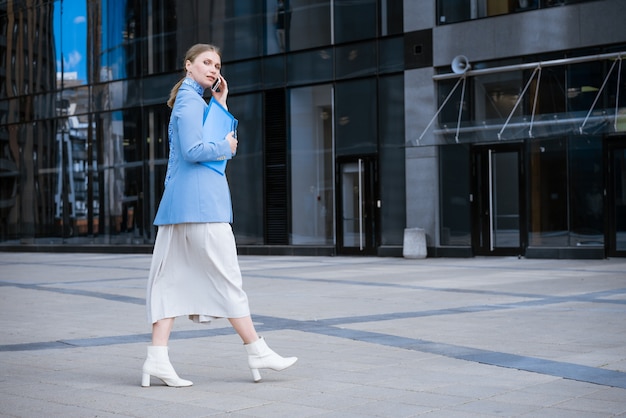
(193, 192)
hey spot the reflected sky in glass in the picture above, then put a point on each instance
(70, 33)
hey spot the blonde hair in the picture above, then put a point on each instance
(191, 55)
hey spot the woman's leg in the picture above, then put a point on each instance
(161, 330)
(157, 363)
(245, 329)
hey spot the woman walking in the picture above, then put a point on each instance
(194, 270)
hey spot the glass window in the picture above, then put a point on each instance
(584, 82)
(617, 194)
(451, 11)
(10, 181)
(392, 17)
(355, 117)
(156, 152)
(11, 111)
(449, 90)
(74, 100)
(120, 34)
(70, 35)
(246, 170)
(111, 169)
(496, 96)
(150, 90)
(586, 205)
(455, 191)
(162, 41)
(243, 27)
(237, 27)
(567, 192)
(617, 92)
(44, 105)
(355, 60)
(311, 146)
(552, 96)
(278, 24)
(391, 158)
(548, 193)
(309, 24)
(355, 20)
(243, 76)
(274, 71)
(310, 67)
(390, 55)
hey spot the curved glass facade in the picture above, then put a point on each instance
(83, 120)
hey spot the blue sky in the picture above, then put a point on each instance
(70, 32)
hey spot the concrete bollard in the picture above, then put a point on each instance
(414, 245)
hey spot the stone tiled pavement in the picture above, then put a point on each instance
(376, 337)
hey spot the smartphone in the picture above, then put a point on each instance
(216, 85)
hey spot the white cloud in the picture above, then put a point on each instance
(79, 19)
(72, 60)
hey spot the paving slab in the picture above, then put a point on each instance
(375, 337)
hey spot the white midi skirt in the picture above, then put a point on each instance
(195, 272)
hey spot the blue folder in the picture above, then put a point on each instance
(218, 122)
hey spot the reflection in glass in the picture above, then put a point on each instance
(310, 24)
(496, 96)
(391, 156)
(352, 199)
(391, 58)
(505, 208)
(391, 17)
(584, 81)
(310, 67)
(278, 24)
(70, 35)
(450, 11)
(273, 71)
(586, 202)
(548, 193)
(618, 165)
(246, 170)
(355, 20)
(455, 191)
(311, 166)
(356, 60)
(243, 76)
(119, 40)
(566, 192)
(355, 117)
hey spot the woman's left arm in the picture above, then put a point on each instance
(194, 144)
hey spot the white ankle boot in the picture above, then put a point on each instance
(158, 364)
(260, 356)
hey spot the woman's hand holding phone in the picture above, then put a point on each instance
(219, 90)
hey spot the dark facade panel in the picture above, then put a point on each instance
(418, 49)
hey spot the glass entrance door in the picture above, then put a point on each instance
(616, 198)
(499, 226)
(356, 206)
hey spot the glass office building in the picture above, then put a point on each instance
(353, 126)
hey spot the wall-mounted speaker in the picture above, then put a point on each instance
(460, 64)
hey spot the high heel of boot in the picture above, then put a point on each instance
(145, 380)
(256, 375)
